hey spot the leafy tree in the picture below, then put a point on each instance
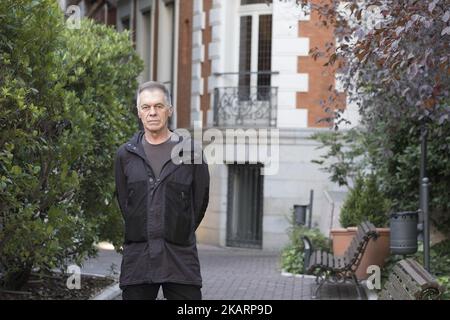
(64, 107)
(102, 67)
(345, 157)
(365, 202)
(394, 63)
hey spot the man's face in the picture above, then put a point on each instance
(153, 110)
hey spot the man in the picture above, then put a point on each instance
(162, 202)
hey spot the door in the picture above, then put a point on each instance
(245, 206)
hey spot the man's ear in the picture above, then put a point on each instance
(170, 111)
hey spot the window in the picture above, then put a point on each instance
(245, 57)
(125, 23)
(255, 54)
(146, 43)
(264, 56)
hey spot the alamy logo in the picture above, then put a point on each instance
(374, 280)
(73, 14)
(74, 281)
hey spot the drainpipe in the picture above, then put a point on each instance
(172, 83)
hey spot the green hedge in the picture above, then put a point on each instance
(292, 255)
(365, 202)
(66, 101)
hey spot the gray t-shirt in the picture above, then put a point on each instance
(158, 154)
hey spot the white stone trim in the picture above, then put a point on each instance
(284, 64)
(216, 49)
(217, 65)
(199, 21)
(215, 16)
(286, 98)
(287, 46)
(196, 71)
(211, 83)
(198, 7)
(197, 38)
(290, 47)
(292, 118)
(197, 87)
(297, 82)
(198, 56)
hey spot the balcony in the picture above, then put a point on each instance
(245, 107)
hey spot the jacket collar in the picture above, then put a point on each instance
(134, 145)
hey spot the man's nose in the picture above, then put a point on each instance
(152, 112)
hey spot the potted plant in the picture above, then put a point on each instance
(364, 202)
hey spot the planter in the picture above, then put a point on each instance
(376, 253)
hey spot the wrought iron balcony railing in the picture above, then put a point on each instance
(245, 106)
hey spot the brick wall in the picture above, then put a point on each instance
(320, 77)
(206, 64)
(184, 80)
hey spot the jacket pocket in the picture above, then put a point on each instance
(178, 215)
(136, 212)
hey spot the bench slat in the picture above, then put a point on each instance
(408, 280)
(330, 261)
(407, 284)
(352, 248)
(325, 258)
(360, 235)
(417, 272)
(396, 290)
(364, 227)
(312, 260)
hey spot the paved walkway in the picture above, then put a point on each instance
(241, 274)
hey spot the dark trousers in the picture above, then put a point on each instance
(171, 291)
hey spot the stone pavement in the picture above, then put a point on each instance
(241, 274)
(107, 263)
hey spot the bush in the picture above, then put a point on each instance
(440, 265)
(65, 98)
(365, 202)
(102, 67)
(292, 256)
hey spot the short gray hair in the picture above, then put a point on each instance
(151, 86)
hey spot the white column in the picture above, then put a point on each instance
(198, 56)
(286, 48)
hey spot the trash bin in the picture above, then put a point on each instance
(300, 214)
(403, 232)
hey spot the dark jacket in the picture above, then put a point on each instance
(161, 214)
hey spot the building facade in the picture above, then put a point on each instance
(242, 64)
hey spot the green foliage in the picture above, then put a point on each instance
(102, 67)
(398, 79)
(292, 256)
(365, 202)
(440, 265)
(64, 97)
(397, 162)
(344, 157)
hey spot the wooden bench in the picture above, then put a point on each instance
(339, 269)
(408, 280)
